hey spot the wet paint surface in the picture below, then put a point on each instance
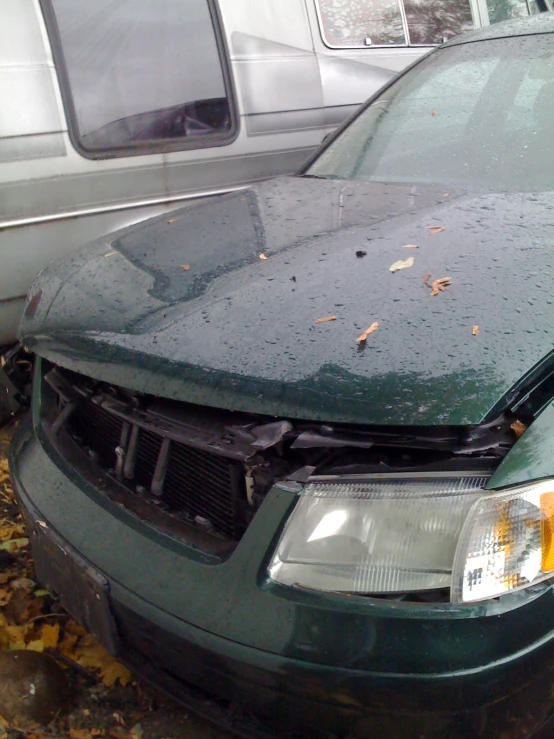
(239, 332)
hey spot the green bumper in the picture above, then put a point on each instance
(325, 664)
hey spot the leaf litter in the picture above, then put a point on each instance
(433, 230)
(109, 702)
(326, 319)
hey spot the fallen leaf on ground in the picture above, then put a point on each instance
(518, 428)
(50, 635)
(85, 733)
(433, 113)
(439, 285)
(326, 319)
(367, 332)
(263, 256)
(401, 265)
(410, 246)
(475, 331)
(171, 220)
(185, 267)
(14, 544)
(118, 732)
(435, 229)
(445, 194)
(89, 654)
(9, 530)
(5, 597)
(109, 254)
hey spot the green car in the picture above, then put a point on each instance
(291, 454)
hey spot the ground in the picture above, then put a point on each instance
(105, 700)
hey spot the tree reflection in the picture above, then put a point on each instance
(351, 22)
(431, 21)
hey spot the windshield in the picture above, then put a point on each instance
(478, 115)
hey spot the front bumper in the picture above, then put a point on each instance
(217, 634)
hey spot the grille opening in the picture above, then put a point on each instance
(196, 483)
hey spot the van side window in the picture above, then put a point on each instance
(500, 10)
(364, 23)
(432, 21)
(143, 74)
(345, 23)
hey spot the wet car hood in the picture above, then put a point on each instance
(185, 307)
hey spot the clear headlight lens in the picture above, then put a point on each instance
(376, 534)
(506, 544)
(382, 534)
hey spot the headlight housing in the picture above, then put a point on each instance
(406, 533)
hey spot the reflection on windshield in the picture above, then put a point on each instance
(478, 115)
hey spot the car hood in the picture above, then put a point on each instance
(218, 304)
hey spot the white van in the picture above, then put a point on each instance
(114, 110)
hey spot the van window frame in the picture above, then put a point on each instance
(157, 146)
(407, 45)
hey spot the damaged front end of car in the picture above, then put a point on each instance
(374, 500)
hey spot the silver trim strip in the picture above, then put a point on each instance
(17, 223)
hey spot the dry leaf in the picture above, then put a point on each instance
(326, 319)
(109, 254)
(367, 332)
(433, 113)
(263, 256)
(475, 331)
(89, 654)
(14, 544)
(171, 220)
(445, 194)
(118, 732)
(5, 597)
(518, 428)
(9, 530)
(37, 645)
(185, 267)
(410, 246)
(435, 229)
(401, 265)
(426, 278)
(50, 635)
(84, 733)
(439, 285)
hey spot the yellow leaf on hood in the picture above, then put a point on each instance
(402, 264)
(439, 285)
(367, 332)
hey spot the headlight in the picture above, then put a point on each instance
(378, 534)
(384, 534)
(506, 544)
